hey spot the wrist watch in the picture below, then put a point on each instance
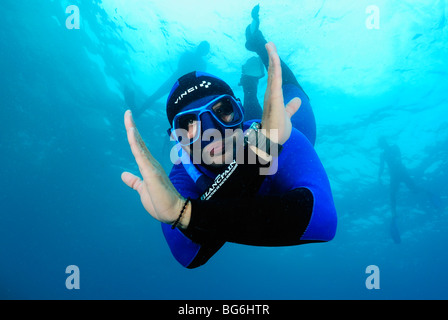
(250, 136)
(253, 136)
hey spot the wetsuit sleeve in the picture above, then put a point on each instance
(261, 220)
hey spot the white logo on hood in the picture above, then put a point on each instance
(204, 84)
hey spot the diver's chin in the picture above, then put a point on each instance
(215, 161)
(215, 149)
(218, 157)
(216, 167)
(218, 154)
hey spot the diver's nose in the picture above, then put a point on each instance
(209, 122)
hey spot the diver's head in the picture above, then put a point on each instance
(203, 48)
(204, 116)
(382, 143)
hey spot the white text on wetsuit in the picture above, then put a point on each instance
(219, 180)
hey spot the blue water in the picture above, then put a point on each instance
(63, 146)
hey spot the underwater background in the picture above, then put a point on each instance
(63, 145)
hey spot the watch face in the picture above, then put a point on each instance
(255, 126)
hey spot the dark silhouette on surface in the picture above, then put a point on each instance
(391, 156)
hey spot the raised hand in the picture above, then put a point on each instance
(275, 115)
(157, 193)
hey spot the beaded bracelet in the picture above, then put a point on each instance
(180, 215)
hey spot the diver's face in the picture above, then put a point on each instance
(218, 153)
(221, 150)
(220, 109)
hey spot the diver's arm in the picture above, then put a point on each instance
(261, 220)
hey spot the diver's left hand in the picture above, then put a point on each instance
(157, 193)
(277, 116)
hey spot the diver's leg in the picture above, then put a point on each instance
(256, 42)
(252, 107)
(394, 185)
(408, 181)
(129, 100)
(251, 72)
(129, 97)
(164, 88)
(394, 231)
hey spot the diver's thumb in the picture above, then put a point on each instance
(132, 181)
(293, 106)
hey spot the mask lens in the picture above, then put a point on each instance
(224, 110)
(185, 121)
(227, 111)
(186, 128)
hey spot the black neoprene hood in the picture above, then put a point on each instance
(192, 87)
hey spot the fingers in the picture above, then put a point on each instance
(274, 72)
(143, 157)
(137, 184)
(157, 193)
(150, 169)
(128, 120)
(293, 106)
(134, 137)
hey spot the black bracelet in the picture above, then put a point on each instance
(180, 215)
